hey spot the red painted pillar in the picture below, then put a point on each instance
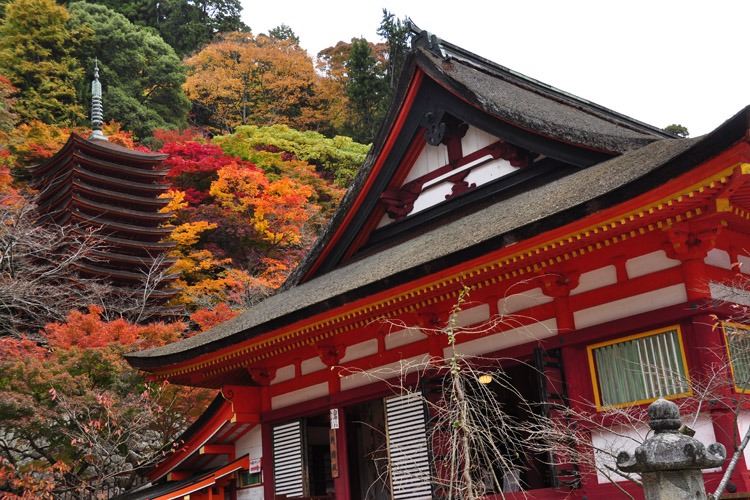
(558, 285)
(267, 445)
(341, 483)
(690, 245)
(709, 355)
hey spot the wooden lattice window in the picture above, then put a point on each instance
(639, 368)
(738, 349)
(289, 459)
(407, 448)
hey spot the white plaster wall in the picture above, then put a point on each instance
(250, 443)
(432, 196)
(649, 263)
(743, 424)
(521, 301)
(597, 278)
(718, 258)
(725, 293)
(489, 171)
(311, 365)
(473, 315)
(300, 395)
(431, 158)
(629, 437)
(283, 374)
(403, 337)
(508, 338)
(385, 372)
(475, 139)
(744, 264)
(630, 306)
(360, 350)
(619, 438)
(254, 493)
(384, 221)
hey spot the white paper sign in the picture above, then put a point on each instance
(334, 418)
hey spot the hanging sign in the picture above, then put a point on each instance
(334, 453)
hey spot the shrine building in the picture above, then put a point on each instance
(598, 254)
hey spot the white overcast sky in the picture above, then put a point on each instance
(658, 61)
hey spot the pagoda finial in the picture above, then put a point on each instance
(97, 111)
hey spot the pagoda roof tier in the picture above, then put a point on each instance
(63, 184)
(123, 169)
(106, 208)
(103, 149)
(161, 293)
(119, 273)
(114, 181)
(132, 259)
(119, 195)
(580, 211)
(121, 226)
(131, 243)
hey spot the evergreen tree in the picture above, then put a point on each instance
(142, 76)
(283, 32)
(366, 89)
(38, 55)
(397, 36)
(186, 25)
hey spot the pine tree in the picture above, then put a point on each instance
(366, 89)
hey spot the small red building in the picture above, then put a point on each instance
(594, 248)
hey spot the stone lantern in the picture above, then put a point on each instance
(670, 462)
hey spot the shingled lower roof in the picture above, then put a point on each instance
(497, 226)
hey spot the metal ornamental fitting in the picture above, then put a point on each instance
(97, 109)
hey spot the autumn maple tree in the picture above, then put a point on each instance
(238, 228)
(242, 79)
(75, 416)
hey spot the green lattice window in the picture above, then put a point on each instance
(639, 368)
(738, 346)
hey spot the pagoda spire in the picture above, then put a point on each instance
(97, 111)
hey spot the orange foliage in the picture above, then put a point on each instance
(278, 209)
(87, 330)
(116, 135)
(209, 318)
(36, 141)
(244, 79)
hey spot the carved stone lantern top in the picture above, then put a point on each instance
(668, 449)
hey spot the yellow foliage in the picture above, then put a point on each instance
(176, 201)
(188, 234)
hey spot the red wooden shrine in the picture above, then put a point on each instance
(599, 253)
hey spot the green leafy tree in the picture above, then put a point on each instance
(677, 129)
(38, 51)
(186, 25)
(283, 32)
(338, 158)
(142, 76)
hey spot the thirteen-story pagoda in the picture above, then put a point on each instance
(112, 193)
